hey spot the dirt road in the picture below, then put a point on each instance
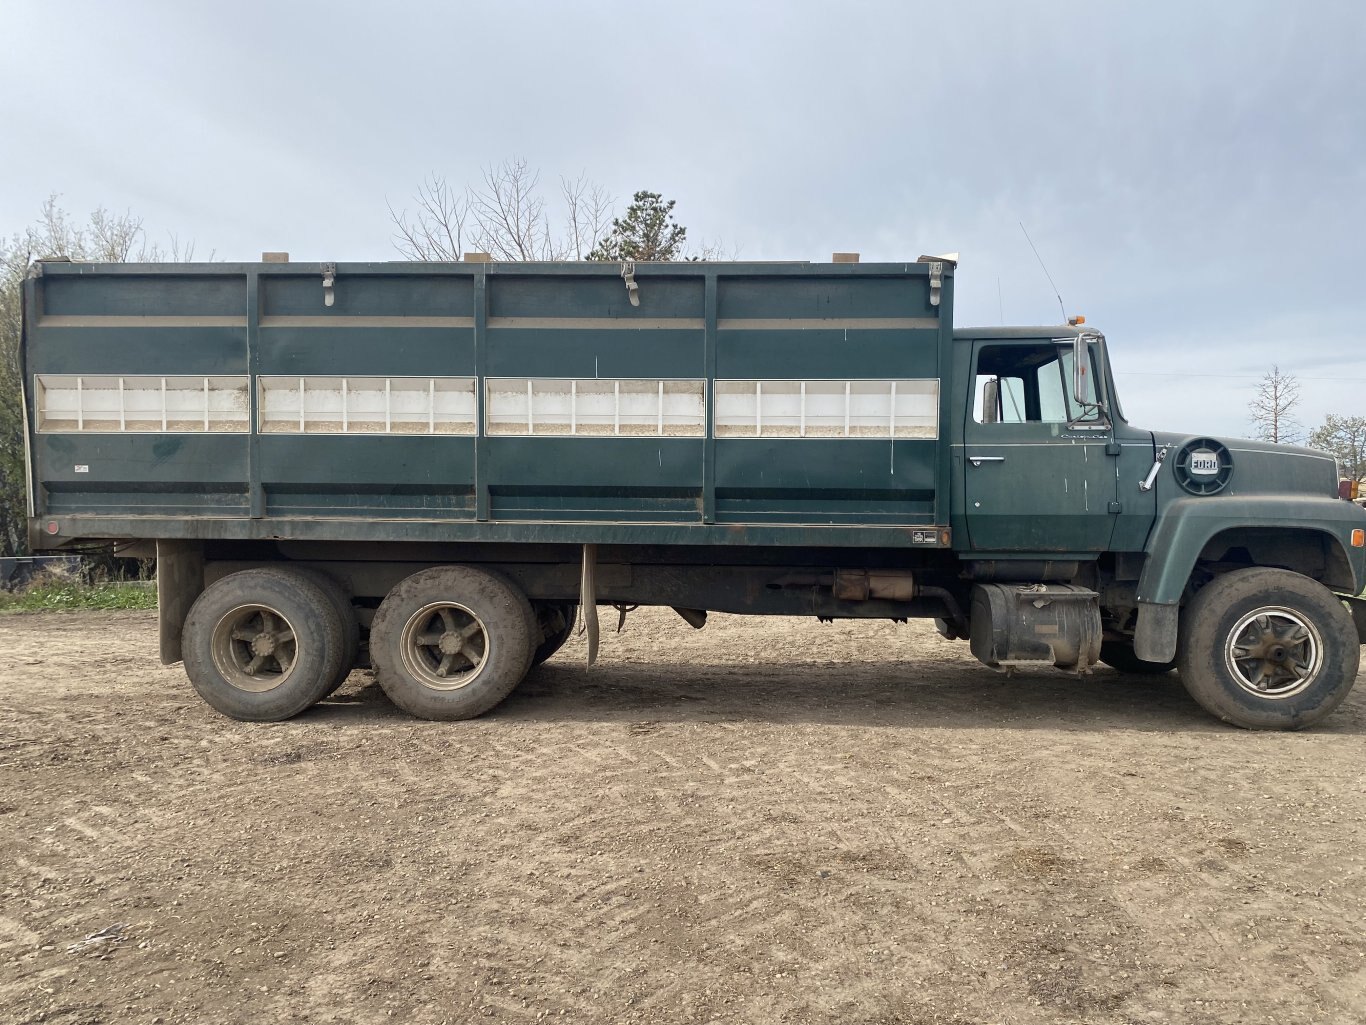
(764, 821)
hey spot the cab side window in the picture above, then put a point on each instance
(1026, 384)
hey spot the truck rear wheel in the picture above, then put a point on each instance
(555, 623)
(1267, 649)
(1120, 655)
(262, 645)
(451, 642)
(346, 616)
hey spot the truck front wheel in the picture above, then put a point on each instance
(262, 645)
(451, 642)
(1267, 649)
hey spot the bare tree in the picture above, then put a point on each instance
(1272, 410)
(509, 214)
(717, 250)
(107, 238)
(436, 231)
(589, 210)
(505, 215)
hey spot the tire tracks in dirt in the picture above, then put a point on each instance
(697, 831)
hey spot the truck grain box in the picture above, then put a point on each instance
(446, 465)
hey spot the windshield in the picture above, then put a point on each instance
(1112, 403)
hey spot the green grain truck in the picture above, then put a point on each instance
(444, 463)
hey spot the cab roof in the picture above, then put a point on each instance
(1044, 331)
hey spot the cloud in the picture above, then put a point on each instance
(1194, 177)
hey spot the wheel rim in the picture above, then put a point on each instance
(255, 648)
(444, 645)
(1274, 652)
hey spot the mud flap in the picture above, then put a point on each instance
(1155, 632)
(588, 600)
(1358, 607)
(180, 580)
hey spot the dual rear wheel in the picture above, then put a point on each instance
(264, 644)
(453, 641)
(446, 643)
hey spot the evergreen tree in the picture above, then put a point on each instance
(647, 232)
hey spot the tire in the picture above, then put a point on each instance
(237, 632)
(451, 642)
(1267, 649)
(1120, 655)
(555, 625)
(346, 616)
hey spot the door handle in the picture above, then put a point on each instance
(979, 460)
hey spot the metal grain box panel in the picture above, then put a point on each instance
(480, 393)
(584, 327)
(83, 320)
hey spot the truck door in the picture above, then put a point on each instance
(1037, 477)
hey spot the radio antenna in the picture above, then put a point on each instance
(1056, 293)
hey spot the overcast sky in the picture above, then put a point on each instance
(1194, 175)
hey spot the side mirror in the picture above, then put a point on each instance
(1081, 361)
(1086, 391)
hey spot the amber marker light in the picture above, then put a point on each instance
(1359, 538)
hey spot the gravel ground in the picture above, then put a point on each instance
(763, 821)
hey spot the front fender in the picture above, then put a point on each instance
(1186, 525)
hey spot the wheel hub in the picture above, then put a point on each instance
(254, 648)
(444, 645)
(1274, 652)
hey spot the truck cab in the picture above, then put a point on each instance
(1054, 487)
(1045, 447)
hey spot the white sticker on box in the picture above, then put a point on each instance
(82, 468)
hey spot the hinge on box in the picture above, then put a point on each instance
(329, 279)
(936, 281)
(628, 273)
